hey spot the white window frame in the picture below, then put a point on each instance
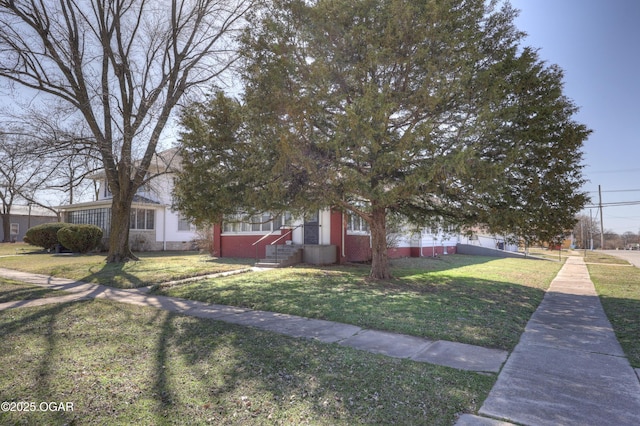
(184, 225)
(260, 224)
(356, 225)
(133, 225)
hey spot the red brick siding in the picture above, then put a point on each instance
(357, 248)
(241, 245)
(397, 252)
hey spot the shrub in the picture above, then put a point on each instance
(80, 238)
(45, 235)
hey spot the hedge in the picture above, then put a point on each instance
(45, 235)
(80, 238)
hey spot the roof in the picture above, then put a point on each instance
(168, 160)
(20, 210)
(106, 203)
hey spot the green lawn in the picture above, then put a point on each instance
(153, 267)
(619, 291)
(11, 249)
(469, 299)
(599, 257)
(121, 364)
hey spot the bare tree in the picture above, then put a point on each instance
(123, 65)
(22, 175)
(585, 231)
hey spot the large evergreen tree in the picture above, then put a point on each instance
(428, 109)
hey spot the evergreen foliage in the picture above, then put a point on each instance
(428, 110)
(80, 238)
(44, 235)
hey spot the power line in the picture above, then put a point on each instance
(614, 171)
(616, 190)
(616, 204)
(613, 204)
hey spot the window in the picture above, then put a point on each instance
(257, 224)
(107, 192)
(357, 225)
(15, 229)
(441, 229)
(100, 217)
(142, 219)
(184, 224)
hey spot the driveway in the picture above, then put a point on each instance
(631, 256)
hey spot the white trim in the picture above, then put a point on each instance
(247, 233)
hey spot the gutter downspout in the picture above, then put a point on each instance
(433, 245)
(343, 230)
(164, 228)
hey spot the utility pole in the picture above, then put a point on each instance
(590, 229)
(584, 243)
(601, 219)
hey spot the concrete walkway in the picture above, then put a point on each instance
(568, 368)
(450, 354)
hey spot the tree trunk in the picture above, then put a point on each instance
(380, 269)
(119, 250)
(6, 228)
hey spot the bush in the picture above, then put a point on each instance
(45, 235)
(80, 238)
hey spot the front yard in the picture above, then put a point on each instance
(124, 364)
(468, 299)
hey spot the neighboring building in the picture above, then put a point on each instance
(478, 238)
(154, 226)
(24, 217)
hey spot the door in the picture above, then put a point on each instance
(312, 228)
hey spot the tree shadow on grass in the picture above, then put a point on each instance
(29, 341)
(114, 275)
(229, 373)
(117, 275)
(624, 316)
(21, 292)
(125, 364)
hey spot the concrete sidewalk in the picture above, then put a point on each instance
(568, 368)
(450, 354)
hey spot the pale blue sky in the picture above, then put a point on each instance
(597, 44)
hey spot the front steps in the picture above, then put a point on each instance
(280, 256)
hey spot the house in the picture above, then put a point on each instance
(330, 236)
(154, 226)
(24, 217)
(324, 237)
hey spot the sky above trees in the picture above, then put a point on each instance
(595, 43)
